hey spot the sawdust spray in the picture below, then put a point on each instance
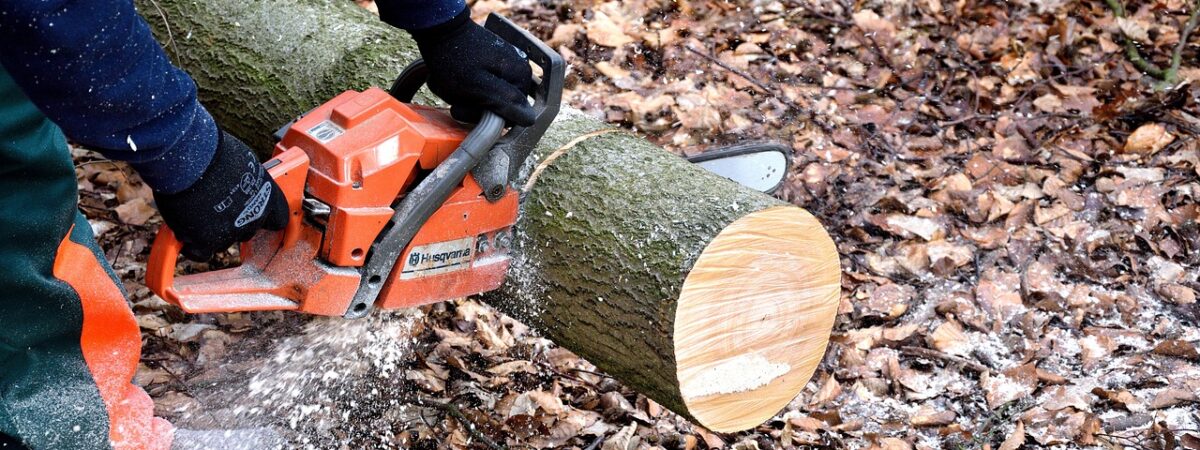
(325, 386)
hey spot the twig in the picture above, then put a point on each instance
(167, 26)
(927, 353)
(473, 429)
(1131, 50)
(1177, 55)
(758, 84)
(1169, 74)
(761, 86)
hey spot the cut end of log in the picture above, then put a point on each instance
(754, 317)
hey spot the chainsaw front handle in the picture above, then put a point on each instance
(240, 289)
(503, 163)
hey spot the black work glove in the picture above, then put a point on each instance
(474, 70)
(232, 200)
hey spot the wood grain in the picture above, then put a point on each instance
(765, 289)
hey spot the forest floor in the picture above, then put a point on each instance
(1014, 201)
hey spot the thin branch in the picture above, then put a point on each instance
(453, 411)
(167, 26)
(1177, 55)
(1131, 50)
(762, 87)
(928, 353)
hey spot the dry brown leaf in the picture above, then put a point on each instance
(573, 423)
(828, 392)
(511, 367)
(710, 439)
(1148, 139)
(1135, 29)
(610, 70)
(1178, 294)
(891, 443)
(930, 416)
(900, 333)
(999, 294)
(1049, 103)
(870, 22)
(949, 255)
(602, 30)
(1054, 427)
(1178, 348)
(564, 34)
(1172, 397)
(135, 212)
(904, 225)
(1096, 349)
(1012, 384)
(950, 339)
(890, 301)
(1059, 397)
(1016, 439)
(1121, 397)
(807, 423)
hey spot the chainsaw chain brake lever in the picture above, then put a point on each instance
(503, 163)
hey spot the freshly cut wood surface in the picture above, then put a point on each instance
(754, 317)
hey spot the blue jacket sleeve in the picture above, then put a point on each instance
(95, 70)
(418, 14)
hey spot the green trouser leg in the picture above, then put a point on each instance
(67, 337)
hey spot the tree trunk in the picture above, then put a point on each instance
(714, 300)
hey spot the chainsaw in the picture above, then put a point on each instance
(393, 204)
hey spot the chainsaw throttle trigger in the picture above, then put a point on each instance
(242, 288)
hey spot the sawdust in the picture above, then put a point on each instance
(740, 374)
(325, 386)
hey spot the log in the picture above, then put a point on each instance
(713, 300)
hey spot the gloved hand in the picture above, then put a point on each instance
(232, 200)
(474, 70)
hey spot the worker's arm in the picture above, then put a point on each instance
(96, 71)
(470, 68)
(418, 14)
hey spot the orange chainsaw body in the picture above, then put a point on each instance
(342, 168)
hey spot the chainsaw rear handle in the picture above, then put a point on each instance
(289, 170)
(503, 162)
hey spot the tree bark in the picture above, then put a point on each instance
(714, 300)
